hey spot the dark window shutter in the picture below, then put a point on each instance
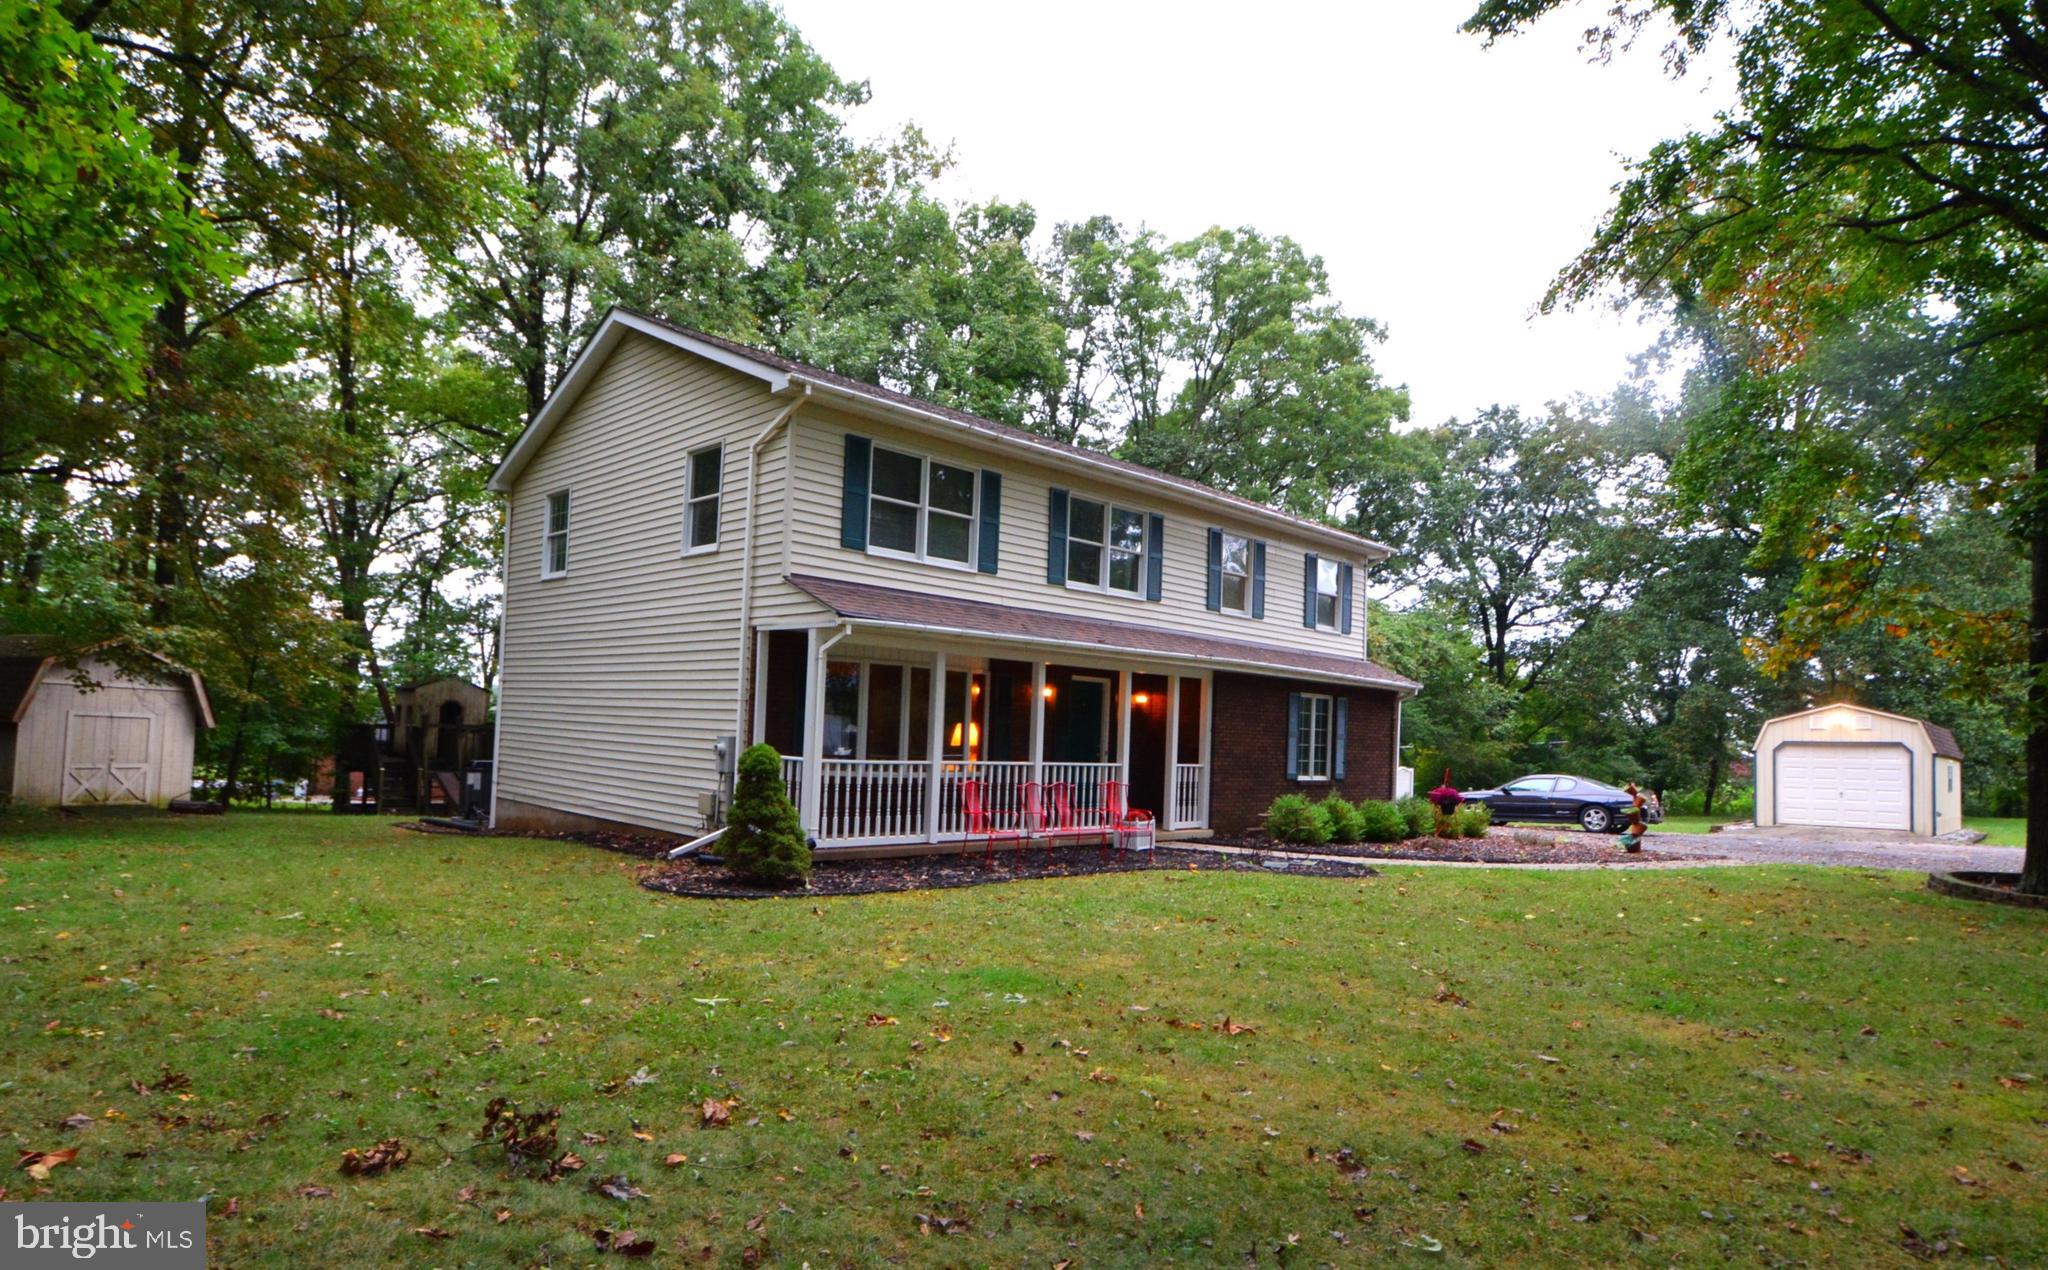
(1155, 558)
(1215, 570)
(1259, 580)
(1308, 587)
(1344, 598)
(991, 521)
(853, 493)
(1337, 713)
(1056, 538)
(1293, 735)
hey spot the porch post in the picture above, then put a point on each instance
(935, 752)
(760, 711)
(1208, 752)
(814, 732)
(1037, 723)
(1123, 730)
(1171, 816)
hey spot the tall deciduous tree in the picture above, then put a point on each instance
(1885, 171)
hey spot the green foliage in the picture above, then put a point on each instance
(1347, 821)
(1298, 819)
(1735, 805)
(1472, 820)
(1418, 817)
(1382, 822)
(763, 840)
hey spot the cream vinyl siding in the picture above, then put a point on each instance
(819, 437)
(619, 674)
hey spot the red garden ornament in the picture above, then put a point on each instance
(1446, 799)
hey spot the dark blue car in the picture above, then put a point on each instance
(1556, 799)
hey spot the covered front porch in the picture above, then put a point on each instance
(884, 733)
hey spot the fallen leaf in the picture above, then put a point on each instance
(78, 1122)
(569, 1163)
(467, 1195)
(503, 1215)
(2006, 1020)
(308, 1190)
(1041, 1159)
(385, 1156)
(641, 1135)
(717, 1113)
(1962, 1176)
(675, 1158)
(1444, 996)
(1785, 1158)
(617, 1187)
(1474, 1146)
(39, 1162)
(1235, 1029)
(431, 1232)
(626, 1243)
(881, 1020)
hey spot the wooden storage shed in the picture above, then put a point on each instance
(1851, 767)
(79, 729)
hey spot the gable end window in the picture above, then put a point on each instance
(700, 519)
(1105, 547)
(921, 508)
(554, 550)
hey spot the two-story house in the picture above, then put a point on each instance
(711, 541)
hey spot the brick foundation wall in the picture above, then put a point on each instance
(1248, 747)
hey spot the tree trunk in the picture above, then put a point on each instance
(1713, 783)
(2034, 872)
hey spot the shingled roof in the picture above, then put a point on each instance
(861, 602)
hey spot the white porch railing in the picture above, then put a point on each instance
(1086, 780)
(1002, 793)
(1190, 796)
(871, 799)
(793, 780)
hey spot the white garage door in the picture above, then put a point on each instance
(1855, 786)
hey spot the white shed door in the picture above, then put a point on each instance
(107, 758)
(1853, 786)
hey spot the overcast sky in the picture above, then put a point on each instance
(1443, 183)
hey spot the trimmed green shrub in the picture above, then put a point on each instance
(1417, 815)
(764, 841)
(1473, 819)
(1293, 818)
(1347, 824)
(1383, 822)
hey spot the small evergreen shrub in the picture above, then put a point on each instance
(1418, 815)
(1294, 818)
(1473, 819)
(1347, 822)
(764, 841)
(1383, 822)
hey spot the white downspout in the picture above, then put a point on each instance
(498, 718)
(746, 606)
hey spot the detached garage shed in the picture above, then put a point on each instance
(79, 730)
(1852, 767)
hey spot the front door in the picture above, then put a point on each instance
(1080, 731)
(106, 759)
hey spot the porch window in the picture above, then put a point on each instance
(921, 508)
(877, 710)
(1237, 574)
(700, 520)
(554, 556)
(842, 709)
(1329, 605)
(1105, 547)
(1312, 742)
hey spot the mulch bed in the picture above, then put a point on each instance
(1499, 846)
(699, 880)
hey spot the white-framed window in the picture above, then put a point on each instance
(1236, 555)
(921, 508)
(1105, 547)
(1312, 741)
(1329, 600)
(554, 549)
(700, 514)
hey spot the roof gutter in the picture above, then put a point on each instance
(1256, 667)
(1053, 454)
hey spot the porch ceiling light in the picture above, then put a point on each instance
(1141, 698)
(1048, 692)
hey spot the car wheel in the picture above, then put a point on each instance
(1596, 819)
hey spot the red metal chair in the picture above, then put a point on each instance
(1061, 821)
(1123, 824)
(981, 820)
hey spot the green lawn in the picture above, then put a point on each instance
(1650, 1067)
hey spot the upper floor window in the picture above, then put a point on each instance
(1237, 573)
(1329, 595)
(1105, 547)
(554, 552)
(700, 519)
(921, 508)
(1312, 739)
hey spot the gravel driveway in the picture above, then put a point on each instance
(1857, 848)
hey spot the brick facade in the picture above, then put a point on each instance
(1248, 747)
